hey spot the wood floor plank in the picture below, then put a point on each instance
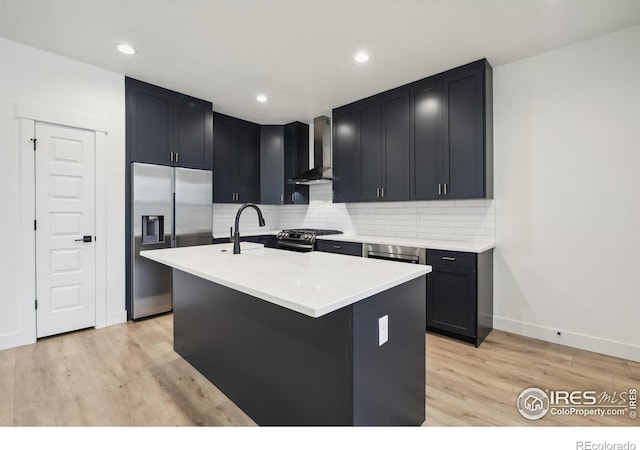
(7, 389)
(129, 375)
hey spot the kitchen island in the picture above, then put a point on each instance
(297, 338)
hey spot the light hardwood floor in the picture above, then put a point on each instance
(129, 375)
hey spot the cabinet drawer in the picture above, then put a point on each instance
(451, 259)
(341, 247)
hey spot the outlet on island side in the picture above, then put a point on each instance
(383, 330)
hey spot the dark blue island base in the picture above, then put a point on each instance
(285, 368)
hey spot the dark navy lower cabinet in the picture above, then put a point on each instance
(340, 247)
(460, 294)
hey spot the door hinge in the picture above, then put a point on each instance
(34, 140)
(36, 303)
(35, 225)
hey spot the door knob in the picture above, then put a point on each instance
(85, 239)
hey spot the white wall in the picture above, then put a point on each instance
(567, 187)
(60, 84)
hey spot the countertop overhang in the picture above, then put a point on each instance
(313, 283)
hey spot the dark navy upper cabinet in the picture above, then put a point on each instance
(193, 133)
(468, 128)
(149, 118)
(426, 139)
(346, 153)
(296, 161)
(271, 164)
(371, 149)
(451, 134)
(431, 139)
(284, 154)
(236, 160)
(371, 172)
(395, 146)
(166, 127)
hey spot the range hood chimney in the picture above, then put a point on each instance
(321, 172)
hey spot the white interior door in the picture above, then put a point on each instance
(65, 260)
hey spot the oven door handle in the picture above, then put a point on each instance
(285, 244)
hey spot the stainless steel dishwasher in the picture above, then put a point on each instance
(400, 253)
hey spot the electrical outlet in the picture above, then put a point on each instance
(383, 330)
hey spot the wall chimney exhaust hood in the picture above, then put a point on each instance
(321, 172)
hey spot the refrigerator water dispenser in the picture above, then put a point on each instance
(152, 229)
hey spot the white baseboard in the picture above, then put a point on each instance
(16, 339)
(115, 318)
(576, 340)
(20, 338)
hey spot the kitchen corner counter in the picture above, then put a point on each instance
(458, 246)
(314, 283)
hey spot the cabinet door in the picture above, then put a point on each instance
(451, 300)
(193, 133)
(296, 161)
(150, 122)
(427, 165)
(464, 138)
(246, 162)
(222, 162)
(370, 152)
(272, 164)
(346, 154)
(395, 164)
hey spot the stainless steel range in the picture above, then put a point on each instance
(301, 239)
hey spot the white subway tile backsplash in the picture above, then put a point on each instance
(458, 220)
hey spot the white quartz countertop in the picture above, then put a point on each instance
(313, 283)
(458, 246)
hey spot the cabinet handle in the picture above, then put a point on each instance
(171, 156)
(382, 192)
(378, 192)
(177, 157)
(448, 258)
(292, 201)
(337, 246)
(445, 189)
(439, 188)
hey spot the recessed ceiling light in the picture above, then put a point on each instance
(361, 57)
(261, 98)
(126, 49)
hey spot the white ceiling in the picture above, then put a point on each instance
(298, 52)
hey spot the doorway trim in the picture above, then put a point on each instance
(27, 114)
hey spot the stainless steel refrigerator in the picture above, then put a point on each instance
(170, 207)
